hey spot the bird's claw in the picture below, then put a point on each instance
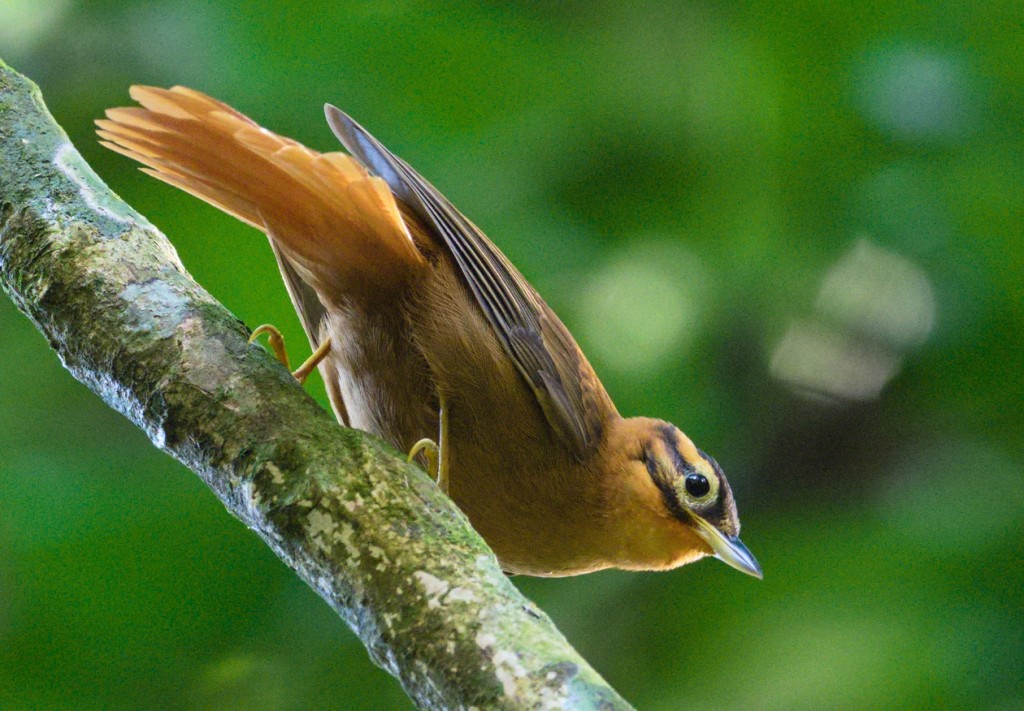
(276, 342)
(436, 453)
(430, 452)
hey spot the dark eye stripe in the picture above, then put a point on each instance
(651, 463)
(668, 436)
(663, 480)
(714, 465)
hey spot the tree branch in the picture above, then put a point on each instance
(370, 533)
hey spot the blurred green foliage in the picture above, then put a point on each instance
(794, 230)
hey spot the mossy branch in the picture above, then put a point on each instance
(370, 533)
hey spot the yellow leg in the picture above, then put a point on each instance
(312, 362)
(442, 455)
(436, 454)
(276, 342)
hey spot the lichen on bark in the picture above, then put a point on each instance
(369, 532)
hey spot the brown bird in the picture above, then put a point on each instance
(423, 326)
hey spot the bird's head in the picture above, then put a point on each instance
(688, 493)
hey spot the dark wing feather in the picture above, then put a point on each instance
(544, 352)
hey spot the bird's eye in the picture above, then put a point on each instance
(697, 485)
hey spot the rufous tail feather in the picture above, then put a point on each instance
(339, 226)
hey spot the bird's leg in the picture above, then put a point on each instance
(276, 342)
(442, 455)
(436, 452)
(312, 362)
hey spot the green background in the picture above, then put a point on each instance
(794, 229)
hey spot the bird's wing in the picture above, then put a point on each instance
(307, 304)
(566, 387)
(311, 313)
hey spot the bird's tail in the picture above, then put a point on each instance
(339, 226)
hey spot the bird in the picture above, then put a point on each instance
(427, 336)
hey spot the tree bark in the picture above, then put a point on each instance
(369, 532)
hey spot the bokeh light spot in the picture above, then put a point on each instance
(24, 23)
(873, 305)
(641, 308)
(239, 681)
(815, 360)
(879, 294)
(915, 94)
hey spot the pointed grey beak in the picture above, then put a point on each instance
(728, 549)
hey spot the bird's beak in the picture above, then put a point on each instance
(728, 549)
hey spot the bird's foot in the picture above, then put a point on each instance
(436, 453)
(430, 452)
(276, 342)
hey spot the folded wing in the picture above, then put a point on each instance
(572, 398)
